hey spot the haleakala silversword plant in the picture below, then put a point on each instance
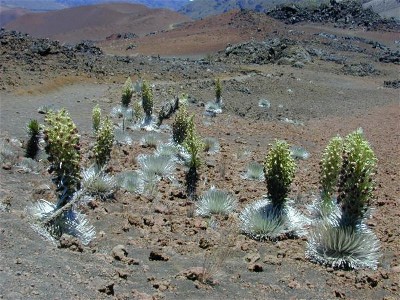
(96, 118)
(211, 145)
(98, 183)
(356, 184)
(218, 92)
(215, 202)
(273, 217)
(194, 146)
(330, 166)
(180, 125)
(279, 169)
(348, 242)
(32, 146)
(212, 108)
(147, 99)
(127, 93)
(63, 149)
(254, 171)
(104, 143)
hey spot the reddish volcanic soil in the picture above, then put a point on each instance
(150, 246)
(96, 22)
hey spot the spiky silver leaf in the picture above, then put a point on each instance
(343, 247)
(150, 140)
(327, 210)
(7, 153)
(215, 201)
(159, 165)
(298, 152)
(122, 137)
(28, 165)
(212, 108)
(78, 226)
(211, 145)
(96, 182)
(169, 149)
(264, 103)
(71, 222)
(263, 221)
(121, 112)
(255, 171)
(130, 181)
(149, 123)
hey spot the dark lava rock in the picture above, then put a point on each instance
(282, 51)
(362, 69)
(390, 57)
(70, 242)
(108, 289)
(342, 13)
(395, 84)
(156, 255)
(122, 36)
(88, 47)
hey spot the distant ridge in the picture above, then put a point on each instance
(8, 14)
(48, 5)
(198, 9)
(96, 22)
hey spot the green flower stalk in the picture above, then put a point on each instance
(331, 164)
(32, 147)
(63, 151)
(218, 91)
(279, 168)
(96, 118)
(356, 178)
(180, 125)
(193, 144)
(137, 111)
(104, 142)
(345, 241)
(127, 92)
(147, 99)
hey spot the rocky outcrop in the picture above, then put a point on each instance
(281, 51)
(342, 13)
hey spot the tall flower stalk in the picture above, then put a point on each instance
(346, 241)
(273, 217)
(194, 146)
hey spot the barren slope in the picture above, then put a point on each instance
(198, 37)
(96, 22)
